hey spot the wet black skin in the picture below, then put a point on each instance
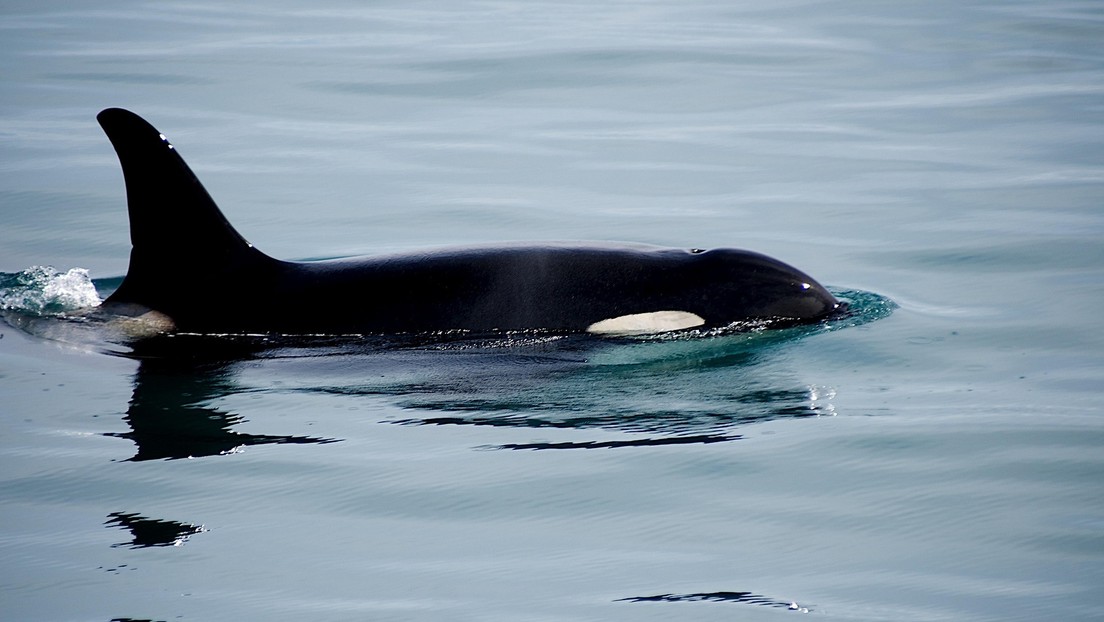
(189, 264)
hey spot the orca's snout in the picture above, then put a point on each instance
(842, 310)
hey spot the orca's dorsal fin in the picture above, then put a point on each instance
(176, 229)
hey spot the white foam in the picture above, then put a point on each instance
(42, 289)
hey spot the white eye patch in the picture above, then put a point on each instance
(646, 323)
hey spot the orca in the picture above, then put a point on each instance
(191, 272)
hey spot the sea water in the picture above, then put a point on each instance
(939, 163)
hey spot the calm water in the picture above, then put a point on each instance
(940, 459)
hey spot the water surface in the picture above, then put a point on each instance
(940, 461)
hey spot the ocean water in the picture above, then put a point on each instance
(938, 456)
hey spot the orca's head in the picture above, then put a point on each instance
(757, 286)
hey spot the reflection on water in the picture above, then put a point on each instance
(641, 442)
(148, 532)
(662, 411)
(652, 393)
(731, 597)
(170, 415)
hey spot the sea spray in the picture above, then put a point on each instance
(43, 290)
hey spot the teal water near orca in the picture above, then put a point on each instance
(932, 455)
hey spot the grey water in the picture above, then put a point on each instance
(940, 456)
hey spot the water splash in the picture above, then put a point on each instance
(44, 291)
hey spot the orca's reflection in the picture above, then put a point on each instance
(748, 598)
(170, 415)
(148, 532)
(657, 415)
(646, 394)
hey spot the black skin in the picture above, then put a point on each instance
(188, 263)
